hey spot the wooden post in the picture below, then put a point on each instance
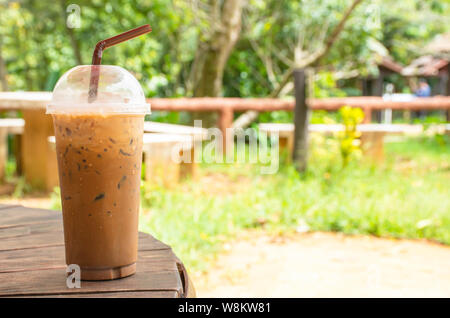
(301, 121)
(367, 115)
(378, 90)
(226, 121)
(448, 90)
(372, 144)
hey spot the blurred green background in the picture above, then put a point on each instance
(36, 46)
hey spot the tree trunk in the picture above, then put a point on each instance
(214, 54)
(3, 72)
(75, 46)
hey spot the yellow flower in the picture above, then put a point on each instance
(14, 5)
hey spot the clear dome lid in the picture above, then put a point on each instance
(118, 92)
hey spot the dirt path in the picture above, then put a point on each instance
(328, 265)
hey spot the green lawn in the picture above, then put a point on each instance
(408, 196)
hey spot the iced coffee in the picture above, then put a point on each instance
(99, 152)
(99, 161)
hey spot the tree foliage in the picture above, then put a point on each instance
(36, 46)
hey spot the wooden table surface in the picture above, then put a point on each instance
(32, 262)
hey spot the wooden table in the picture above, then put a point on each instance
(191, 151)
(32, 262)
(38, 126)
(168, 158)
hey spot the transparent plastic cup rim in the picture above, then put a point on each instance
(118, 92)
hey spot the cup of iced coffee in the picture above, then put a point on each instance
(99, 152)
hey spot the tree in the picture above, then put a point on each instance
(306, 53)
(222, 33)
(213, 53)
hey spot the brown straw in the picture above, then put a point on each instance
(98, 52)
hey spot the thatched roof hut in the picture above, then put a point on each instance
(426, 66)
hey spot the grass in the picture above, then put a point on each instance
(407, 197)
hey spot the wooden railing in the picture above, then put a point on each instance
(227, 106)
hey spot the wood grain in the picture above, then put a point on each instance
(53, 257)
(53, 281)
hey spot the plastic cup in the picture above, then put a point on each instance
(99, 152)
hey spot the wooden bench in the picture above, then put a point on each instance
(159, 152)
(198, 135)
(10, 126)
(372, 135)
